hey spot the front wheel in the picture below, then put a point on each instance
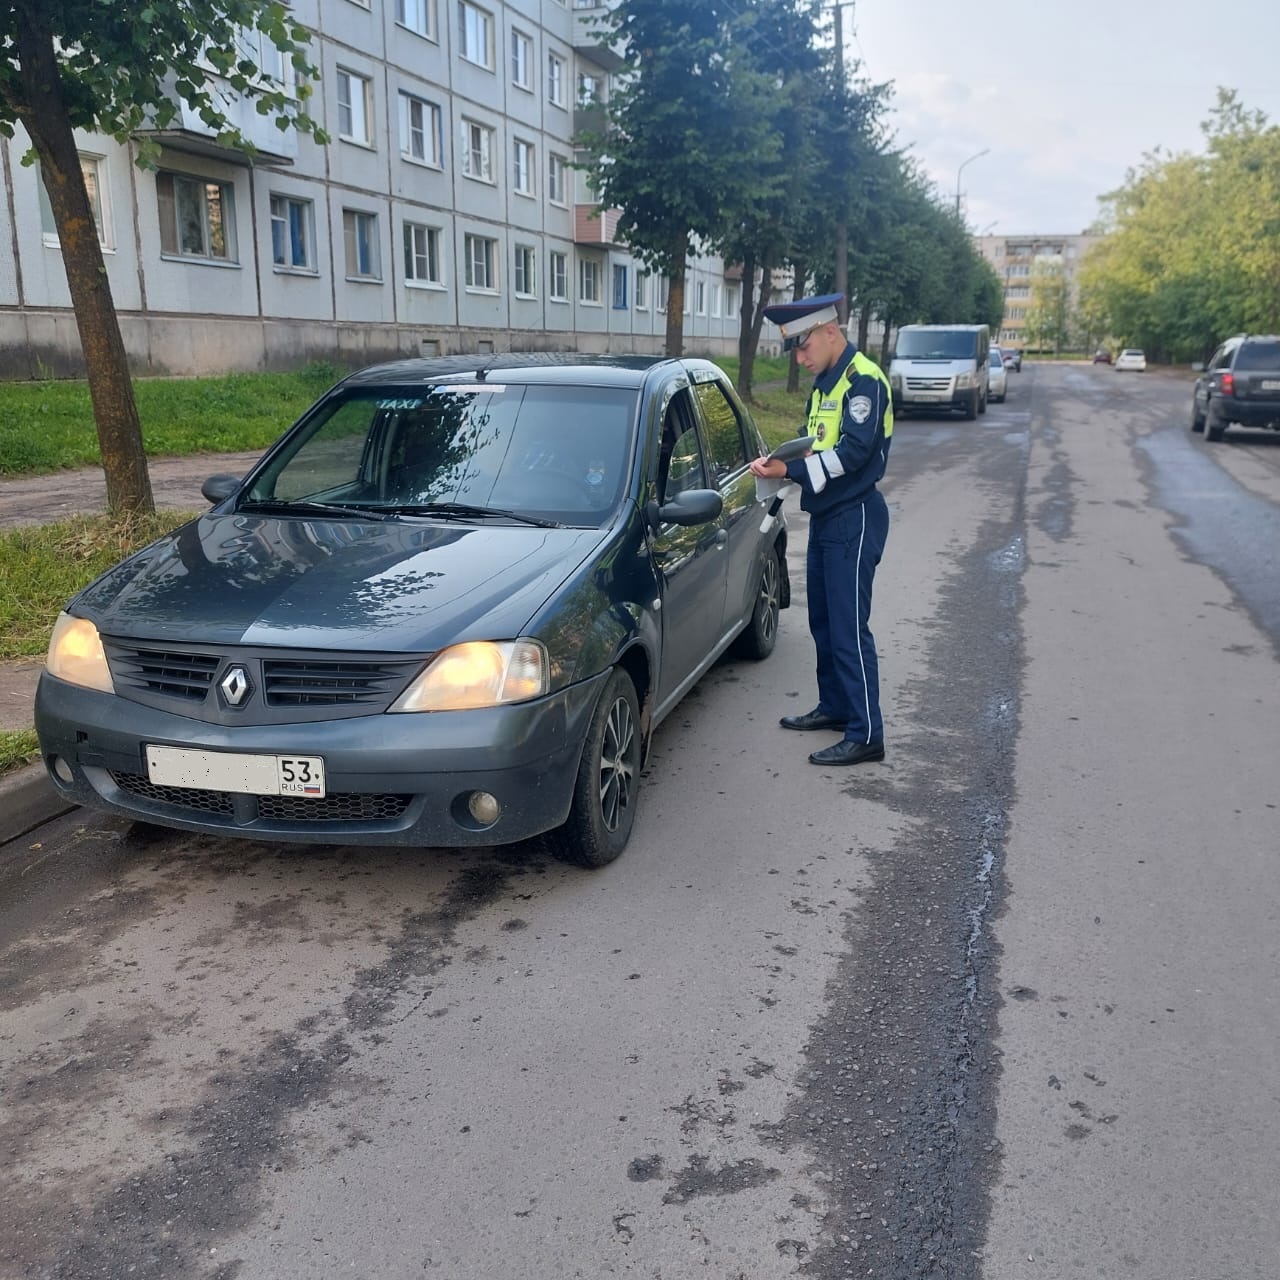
(971, 407)
(603, 809)
(756, 641)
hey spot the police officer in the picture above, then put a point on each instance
(850, 422)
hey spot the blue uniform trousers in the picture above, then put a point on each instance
(844, 549)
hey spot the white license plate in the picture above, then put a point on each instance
(1270, 384)
(236, 771)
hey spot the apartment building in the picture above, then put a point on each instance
(443, 216)
(1016, 259)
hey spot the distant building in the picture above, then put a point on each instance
(444, 215)
(1015, 258)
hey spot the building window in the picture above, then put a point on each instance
(732, 300)
(557, 185)
(589, 89)
(620, 288)
(664, 293)
(555, 80)
(477, 151)
(523, 277)
(354, 107)
(642, 291)
(417, 15)
(481, 262)
(522, 167)
(360, 235)
(521, 60)
(558, 276)
(293, 228)
(713, 303)
(419, 130)
(93, 168)
(589, 281)
(197, 217)
(476, 29)
(422, 254)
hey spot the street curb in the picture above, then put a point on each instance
(28, 798)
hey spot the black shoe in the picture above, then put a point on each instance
(814, 719)
(848, 753)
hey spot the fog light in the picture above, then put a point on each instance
(483, 807)
(62, 770)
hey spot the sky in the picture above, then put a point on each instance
(1064, 98)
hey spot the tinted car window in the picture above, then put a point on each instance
(724, 429)
(1259, 355)
(681, 467)
(532, 449)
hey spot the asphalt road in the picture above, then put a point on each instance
(1003, 1006)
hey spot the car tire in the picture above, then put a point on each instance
(757, 639)
(971, 408)
(603, 809)
(1197, 418)
(1215, 425)
(982, 402)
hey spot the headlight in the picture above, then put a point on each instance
(75, 654)
(964, 380)
(482, 673)
(895, 380)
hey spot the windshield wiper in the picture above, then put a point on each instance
(312, 509)
(468, 512)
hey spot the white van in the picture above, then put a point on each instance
(941, 366)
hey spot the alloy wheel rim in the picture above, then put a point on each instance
(616, 771)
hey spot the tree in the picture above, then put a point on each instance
(120, 68)
(1192, 242)
(685, 126)
(1047, 312)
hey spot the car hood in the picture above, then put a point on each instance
(393, 586)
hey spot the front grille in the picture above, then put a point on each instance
(219, 802)
(335, 808)
(346, 682)
(928, 384)
(167, 672)
(340, 807)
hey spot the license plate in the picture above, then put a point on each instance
(1270, 384)
(258, 775)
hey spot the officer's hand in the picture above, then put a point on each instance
(769, 468)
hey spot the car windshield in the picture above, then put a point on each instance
(997, 360)
(936, 344)
(472, 450)
(1259, 355)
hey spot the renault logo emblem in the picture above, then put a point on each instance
(234, 686)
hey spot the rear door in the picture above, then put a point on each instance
(730, 448)
(691, 561)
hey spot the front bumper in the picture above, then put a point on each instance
(390, 779)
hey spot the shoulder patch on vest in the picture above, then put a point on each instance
(860, 408)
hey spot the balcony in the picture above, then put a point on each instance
(594, 226)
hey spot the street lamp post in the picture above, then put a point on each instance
(960, 170)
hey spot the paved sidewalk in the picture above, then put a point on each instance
(27, 798)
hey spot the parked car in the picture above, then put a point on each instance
(1102, 356)
(1240, 384)
(448, 607)
(997, 376)
(1012, 358)
(1130, 360)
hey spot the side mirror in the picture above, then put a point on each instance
(696, 506)
(219, 488)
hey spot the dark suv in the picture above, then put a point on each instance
(1241, 385)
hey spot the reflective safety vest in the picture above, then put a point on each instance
(827, 411)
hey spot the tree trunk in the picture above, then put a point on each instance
(799, 273)
(864, 325)
(675, 299)
(746, 347)
(115, 410)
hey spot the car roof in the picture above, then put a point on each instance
(527, 367)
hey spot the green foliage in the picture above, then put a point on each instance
(48, 426)
(1192, 251)
(125, 66)
(17, 748)
(41, 567)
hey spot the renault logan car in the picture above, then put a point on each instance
(448, 607)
